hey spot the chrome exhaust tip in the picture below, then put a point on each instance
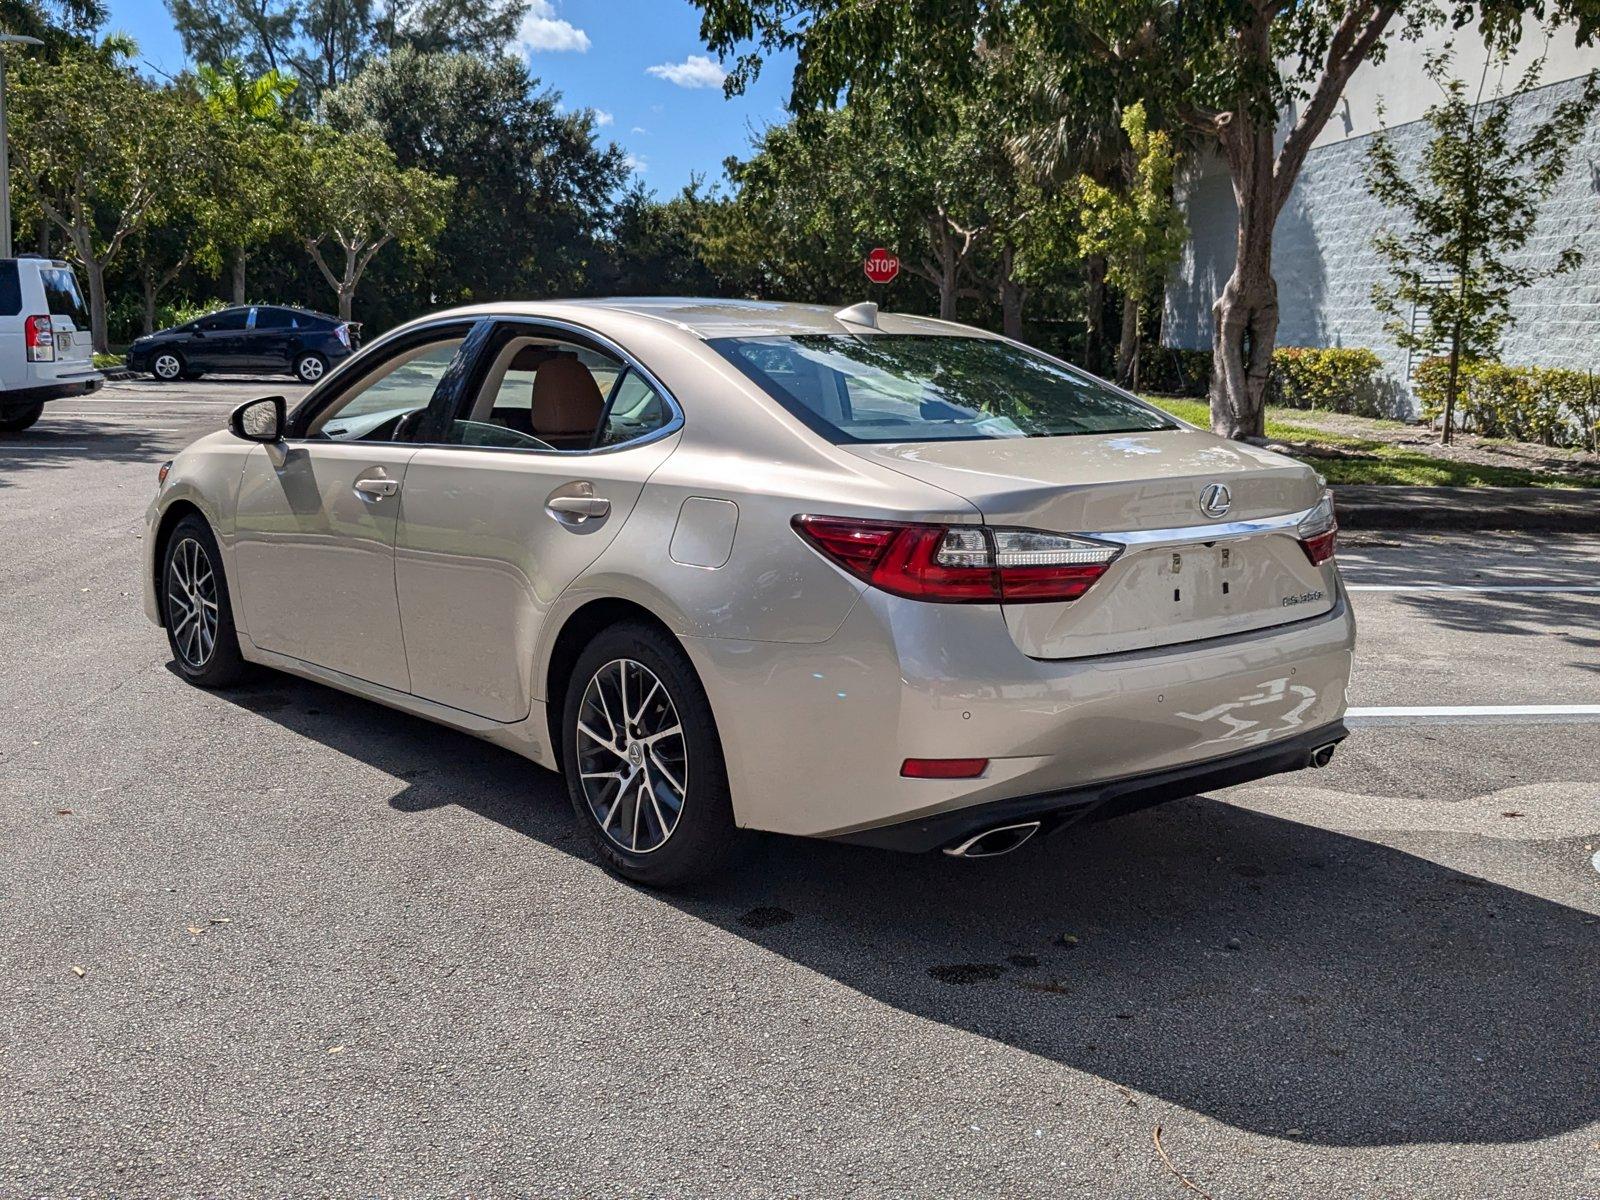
(992, 843)
(1322, 755)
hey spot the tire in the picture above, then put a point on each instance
(308, 368)
(15, 420)
(167, 366)
(700, 838)
(206, 654)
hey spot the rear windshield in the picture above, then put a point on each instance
(918, 388)
(62, 297)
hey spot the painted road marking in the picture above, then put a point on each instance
(1477, 714)
(1509, 588)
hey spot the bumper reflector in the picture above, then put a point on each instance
(943, 768)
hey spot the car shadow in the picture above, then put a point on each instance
(1279, 977)
(61, 442)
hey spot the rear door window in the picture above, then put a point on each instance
(62, 296)
(222, 322)
(274, 318)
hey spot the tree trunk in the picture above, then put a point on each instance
(97, 302)
(1452, 385)
(1094, 336)
(1010, 293)
(1245, 316)
(1128, 346)
(239, 258)
(148, 285)
(347, 295)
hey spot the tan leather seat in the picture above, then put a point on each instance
(566, 403)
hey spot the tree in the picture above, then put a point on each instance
(96, 150)
(538, 179)
(1138, 230)
(1227, 69)
(1469, 211)
(248, 200)
(327, 42)
(354, 199)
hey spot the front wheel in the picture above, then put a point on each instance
(15, 420)
(166, 366)
(309, 368)
(194, 599)
(643, 761)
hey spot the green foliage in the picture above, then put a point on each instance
(1338, 379)
(324, 43)
(1526, 404)
(1138, 228)
(1468, 210)
(537, 182)
(126, 317)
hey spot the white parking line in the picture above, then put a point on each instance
(5, 450)
(1476, 714)
(1504, 588)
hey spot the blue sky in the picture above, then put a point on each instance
(640, 63)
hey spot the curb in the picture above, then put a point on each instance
(117, 374)
(1529, 510)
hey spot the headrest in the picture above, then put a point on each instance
(566, 400)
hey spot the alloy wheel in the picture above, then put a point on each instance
(192, 602)
(166, 366)
(632, 759)
(310, 368)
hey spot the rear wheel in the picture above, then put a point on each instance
(166, 366)
(15, 420)
(309, 368)
(643, 761)
(194, 603)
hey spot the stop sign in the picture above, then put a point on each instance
(881, 266)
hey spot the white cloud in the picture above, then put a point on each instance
(638, 129)
(696, 71)
(636, 164)
(543, 30)
(602, 118)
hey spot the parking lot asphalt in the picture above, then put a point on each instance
(282, 942)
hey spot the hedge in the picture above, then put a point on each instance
(1526, 404)
(1343, 380)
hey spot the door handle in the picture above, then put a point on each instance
(579, 508)
(377, 487)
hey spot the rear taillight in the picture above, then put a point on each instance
(41, 339)
(344, 335)
(960, 564)
(1318, 531)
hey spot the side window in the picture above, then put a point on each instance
(636, 409)
(231, 319)
(10, 289)
(375, 407)
(273, 318)
(539, 393)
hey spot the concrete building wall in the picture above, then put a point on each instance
(1323, 255)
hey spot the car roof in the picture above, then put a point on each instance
(707, 317)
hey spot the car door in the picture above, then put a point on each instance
(499, 520)
(271, 332)
(217, 344)
(317, 513)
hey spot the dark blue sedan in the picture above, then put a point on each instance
(261, 339)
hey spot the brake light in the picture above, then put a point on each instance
(344, 335)
(1319, 531)
(943, 768)
(40, 338)
(960, 564)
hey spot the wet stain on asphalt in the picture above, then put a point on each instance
(1023, 962)
(965, 973)
(765, 917)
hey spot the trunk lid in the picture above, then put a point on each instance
(69, 315)
(1184, 575)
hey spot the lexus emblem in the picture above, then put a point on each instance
(1216, 500)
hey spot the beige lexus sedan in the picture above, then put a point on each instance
(736, 565)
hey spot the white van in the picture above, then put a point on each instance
(45, 351)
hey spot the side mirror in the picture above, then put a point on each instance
(258, 420)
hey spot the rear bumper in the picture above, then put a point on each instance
(814, 735)
(1101, 801)
(64, 387)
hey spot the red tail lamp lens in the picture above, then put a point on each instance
(960, 564)
(944, 768)
(1319, 531)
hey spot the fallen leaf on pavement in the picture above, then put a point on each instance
(79, 971)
